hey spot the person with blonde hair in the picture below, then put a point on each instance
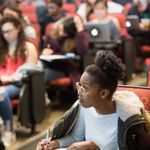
(65, 37)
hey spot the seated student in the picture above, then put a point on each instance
(54, 13)
(15, 50)
(102, 118)
(101, 15)
(114, 7)
(85, 9)
(141, 9)
(68, 36)
(10, 8)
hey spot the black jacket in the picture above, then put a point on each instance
(132, 134)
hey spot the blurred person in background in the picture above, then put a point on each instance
(101, 15)
(15, 50)
(54, 13)
(10, 8)
(68, 36)
(85, 9)
(41, 8)
(141, 8)
(114, 7)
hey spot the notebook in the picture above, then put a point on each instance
(98, 32)
(132, 22)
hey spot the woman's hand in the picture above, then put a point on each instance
(47, 145)
(6, 79)
(85, 145)
(47, 51)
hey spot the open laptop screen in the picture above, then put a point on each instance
(132, 22)
(98, 32)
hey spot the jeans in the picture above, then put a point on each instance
(11, 92)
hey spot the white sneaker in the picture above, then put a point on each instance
(8, 138)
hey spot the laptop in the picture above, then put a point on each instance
(132, 22)
(98, 32)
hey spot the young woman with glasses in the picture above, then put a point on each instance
(102, 118)
(11, 8)
(15, 50)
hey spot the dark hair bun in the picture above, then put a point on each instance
(110, 64)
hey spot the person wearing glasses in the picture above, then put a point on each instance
(54, 13)
(15, 50)
(11, 8)
(102, 118)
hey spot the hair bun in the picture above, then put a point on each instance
(110, 64)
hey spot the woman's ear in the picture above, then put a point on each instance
(104, 93)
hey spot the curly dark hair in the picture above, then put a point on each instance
(20, 49)
(107, 70)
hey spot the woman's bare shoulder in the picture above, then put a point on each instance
(30, 44)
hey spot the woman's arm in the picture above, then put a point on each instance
(31, 53)
(76, 135)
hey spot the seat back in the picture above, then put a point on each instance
(26, 8)
(69, 8)
(127, 7)
(142, 92)
(122, 20)
(32, 100)
(33, 18)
